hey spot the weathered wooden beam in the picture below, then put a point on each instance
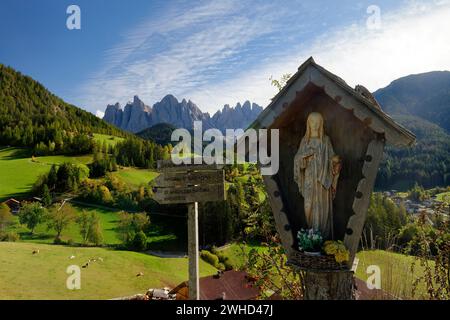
(281, 221)
(168, 164)
(194, 282)
(361, 202)
(189, 194)
(185, 178)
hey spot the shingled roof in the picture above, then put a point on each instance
(364, 106)
(230, 285)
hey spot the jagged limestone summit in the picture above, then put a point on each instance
(137, 116)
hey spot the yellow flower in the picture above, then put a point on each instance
(338, 250)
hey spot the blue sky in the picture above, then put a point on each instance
(215, 52)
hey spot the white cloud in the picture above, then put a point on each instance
(179, 54)
(411, 40)
(100, 114)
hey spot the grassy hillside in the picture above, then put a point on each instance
(109, 220)
(108, 139)
(420, 103)
(396, 276)
(424, 163)
(135, 177)
(424, 95)
(30, 114)
(19, 171)
(43, 276)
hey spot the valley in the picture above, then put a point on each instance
(102, 172)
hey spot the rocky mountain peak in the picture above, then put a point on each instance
(137, 101)
(170, 100)
(137, 116)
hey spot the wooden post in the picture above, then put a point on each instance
(190, 184)
(329, 285)
(194, 287)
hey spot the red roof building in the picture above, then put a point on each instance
(13, 205)
(228, 285)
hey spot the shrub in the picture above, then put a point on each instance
(140, 241)
(9, 236)
(228, 266)
(217, 259)
(58, 240)
(210, 258)
(222, 258)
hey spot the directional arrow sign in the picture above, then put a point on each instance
(188, 178)
(195, 193)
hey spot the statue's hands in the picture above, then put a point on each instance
(336, 169)
(337, 165)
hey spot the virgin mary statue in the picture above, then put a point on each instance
(316, 171)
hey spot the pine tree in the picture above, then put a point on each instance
(46, 197)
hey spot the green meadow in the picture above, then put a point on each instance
(19, 170)
(108, 139)
(396, 275)
(136, 177)
(109, 219)
(43, 275)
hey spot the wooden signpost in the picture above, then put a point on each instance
(190, 184)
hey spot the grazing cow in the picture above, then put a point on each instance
(140, 274)
(36, 251)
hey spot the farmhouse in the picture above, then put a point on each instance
(13, 204)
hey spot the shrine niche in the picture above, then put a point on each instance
(331, 143)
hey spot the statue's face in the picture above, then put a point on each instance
(315, 121)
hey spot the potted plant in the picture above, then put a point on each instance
(310, 241)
